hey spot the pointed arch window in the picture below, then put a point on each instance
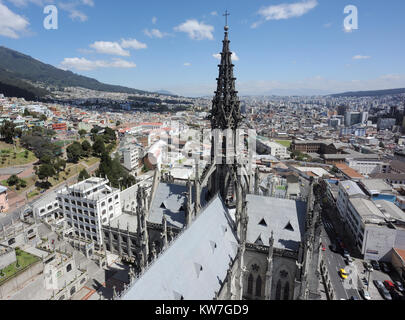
(287, 291)
(258, 286)
(250, 284)
(278, 290)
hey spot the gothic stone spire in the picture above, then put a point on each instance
(225, 112)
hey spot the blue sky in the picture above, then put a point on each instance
(281, 46)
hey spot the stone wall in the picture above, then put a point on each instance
(18, 281)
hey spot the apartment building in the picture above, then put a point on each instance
(131, 157)
(87, 206)
(347, 190)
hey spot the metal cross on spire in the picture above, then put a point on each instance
(226, 15)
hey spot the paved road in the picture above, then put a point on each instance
(344, 289)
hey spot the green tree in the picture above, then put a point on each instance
(59, 165)
(13, 180)
(74, 152)
(9, 131)
(98, 146)
(82, 133)
(86, 147)
(83, 175)
(46, 171)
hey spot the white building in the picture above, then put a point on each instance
(131, 157)
(347, 189)
(88, 205)
(364, 166)
(377, 227)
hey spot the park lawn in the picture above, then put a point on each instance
(8, 151)
(91, 160)
(24, 260)
(285, 143)
(30, 182)
(32, 194)
(64, 175)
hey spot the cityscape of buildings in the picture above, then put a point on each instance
(317, 213)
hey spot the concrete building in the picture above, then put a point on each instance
(347, 190)
(131, 157)
(88, 205)
(3, 199)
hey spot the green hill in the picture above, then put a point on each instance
(16, 67)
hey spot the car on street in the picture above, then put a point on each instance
(343, 274)
(368, 266)
(332, 247)
(354, 298)
(383, 291)
(399, 286)
(365, 281)
(364, 293)
(323, 247)
(375, 265)
(385, 267)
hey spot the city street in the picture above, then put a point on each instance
(344, 289)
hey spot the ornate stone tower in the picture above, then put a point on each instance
(225, 120)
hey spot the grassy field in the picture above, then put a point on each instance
(285, 143)
(91, 160)
(24, 259)
(70, 171)
(30, 182)
(7, 154)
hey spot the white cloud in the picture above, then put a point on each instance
(187, 64)
(285, 11)
(328, 25)
(24, 3)
(233, 56)
(155, 33)
(11, 24)
(154, 20)
(83, 64)
(196, 30)
(106, 47)
(74, 13)
(89, 3)
(214, 13)
(133, 44)
(360, 57)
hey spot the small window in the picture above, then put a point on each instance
(289, 227)
(263, 223)
(69, 268)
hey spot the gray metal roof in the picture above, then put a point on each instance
(170, 200)
(196, 263)
(286, 218)
(351, 188)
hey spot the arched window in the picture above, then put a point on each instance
(258, 286)
(278, 290)
(287, 291)
(250, 284)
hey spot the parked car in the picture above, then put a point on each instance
(389, 285)
(383, 291)
(399, 286)
(323, 247)
(384, 267)
(365, 281)
(354, 298)
(375, 265)
(346, 253)
(368, 266)
(396, 296)
(332, 247)
(364, 293)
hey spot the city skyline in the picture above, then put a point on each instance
(175, 47)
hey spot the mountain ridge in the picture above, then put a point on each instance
(17, 70)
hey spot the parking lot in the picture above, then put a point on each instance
(374, 275)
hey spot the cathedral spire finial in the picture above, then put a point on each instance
(226, 15)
